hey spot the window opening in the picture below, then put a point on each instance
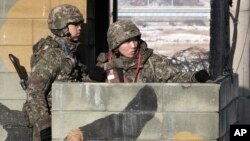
(169, 26)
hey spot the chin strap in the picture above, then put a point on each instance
(65, 48)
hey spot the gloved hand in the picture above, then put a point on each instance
(98, 74)
(202, 76)
(45, 134)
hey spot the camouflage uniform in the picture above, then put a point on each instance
(144, 67)
(53, 60)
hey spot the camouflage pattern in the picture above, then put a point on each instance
(61, 16)
(153, 68)
(49, 63)
(191, 59)
(120, 32)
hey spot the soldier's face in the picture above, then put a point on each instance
(75, 30)
(129, 48)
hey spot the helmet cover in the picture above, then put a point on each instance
(120, 32)
(61, 15)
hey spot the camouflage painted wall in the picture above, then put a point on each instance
(145, 112)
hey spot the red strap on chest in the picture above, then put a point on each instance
(137, 66)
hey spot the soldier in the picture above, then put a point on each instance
(54, 59)
(129, 59)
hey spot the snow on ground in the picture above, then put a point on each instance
(166, 38)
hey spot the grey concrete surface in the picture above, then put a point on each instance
(189, 111)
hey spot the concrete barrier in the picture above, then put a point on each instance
(190, 111)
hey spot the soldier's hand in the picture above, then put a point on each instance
(98, 74)
(202, 76)
(75, 135)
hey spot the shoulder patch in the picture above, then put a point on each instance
(49, 42)
(36, 47)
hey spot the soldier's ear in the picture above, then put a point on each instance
(116, 52)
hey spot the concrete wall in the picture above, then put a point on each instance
(241, 60)
(12, 97)
(184, 111)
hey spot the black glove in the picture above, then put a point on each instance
(45, 134)
(201, 76)
(98, 74)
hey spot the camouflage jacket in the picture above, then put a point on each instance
(50, 63)
(149, 67)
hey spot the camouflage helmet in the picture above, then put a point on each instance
(60, 16)
(120, 32)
